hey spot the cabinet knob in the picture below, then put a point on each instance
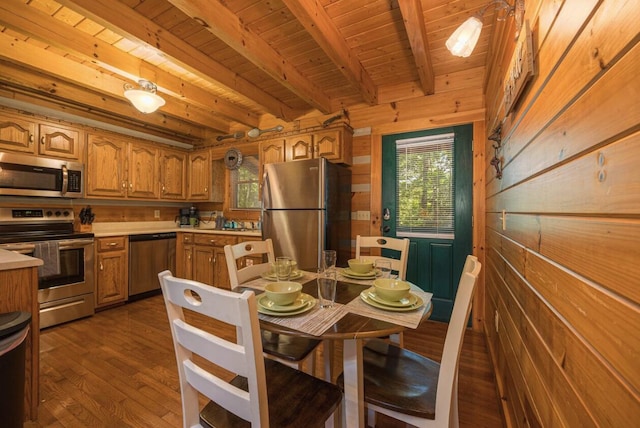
(210, 260)
(30, 139)
(113, 244)
(42, 140)
(101, 267)
(212, 241)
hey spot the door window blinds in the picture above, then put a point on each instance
(425, 180)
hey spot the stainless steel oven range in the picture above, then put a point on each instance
(65, 281)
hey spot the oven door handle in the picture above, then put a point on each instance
(76, 243)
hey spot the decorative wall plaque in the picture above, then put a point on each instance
(521, 69)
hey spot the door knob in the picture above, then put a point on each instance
(386, 214)
(385, 229)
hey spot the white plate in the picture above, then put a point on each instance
(311, 302)
(410, 300)
(272, 276)
(264, 302)
(368, 300)
(351, 274)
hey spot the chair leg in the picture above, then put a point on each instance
(335, 420)
(397, 338)
(455, 423)
(371, 418)
(327, 357)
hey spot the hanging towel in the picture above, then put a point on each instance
(49, 253)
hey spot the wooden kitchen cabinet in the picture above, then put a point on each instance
(17, 133)
(143, 171)
(112, 270)
(334, 144)
(25, 134)
(105, 170)
(199, 176)
(210, 263)
(173, 174)
(184, 255)
(60, 141)
(118, 168)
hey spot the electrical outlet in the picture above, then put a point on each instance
(156, 213)
(363, 215)
(496, 320)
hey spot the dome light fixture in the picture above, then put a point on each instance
(464, 39)
(144, 98)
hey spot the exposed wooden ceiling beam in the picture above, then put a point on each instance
(36, 24)
(44, 90)
(225, 25)
(119, 17)
(414, 23)
(32, 56)
(319, 25)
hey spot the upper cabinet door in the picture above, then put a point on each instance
(300, 147)
(199, 176)
(60, 141)
(143, 176)
(105, 171)
(16, 134)
(173, 175)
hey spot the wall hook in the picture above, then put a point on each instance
(495, 161)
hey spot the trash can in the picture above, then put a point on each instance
(14, 327)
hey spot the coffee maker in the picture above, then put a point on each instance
(184, 217)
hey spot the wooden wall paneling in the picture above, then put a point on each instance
(479, 217)
(550, 44)
(376, 185)
(561, 354)
(609, 33)
(521, 228)
(556, 402)
(606, 251)
(506, 364)
(602, 181)
(580, 302)
(568, 351)
(425, 111)
(611, 102)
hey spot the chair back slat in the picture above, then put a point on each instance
(243, 357)
(248, 249)
(401, 245)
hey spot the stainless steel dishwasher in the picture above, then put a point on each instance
(149, 254)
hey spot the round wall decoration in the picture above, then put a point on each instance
(233, 159)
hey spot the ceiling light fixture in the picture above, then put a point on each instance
(256, 132)
(464, 39)
(144, 98)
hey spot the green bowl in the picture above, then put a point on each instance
(360, 265)
(283, 293)
(391, 289)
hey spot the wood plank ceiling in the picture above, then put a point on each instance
(227, 65)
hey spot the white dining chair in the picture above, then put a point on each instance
(263, 392)
(297, 352)
(413, 388)
(400, 245)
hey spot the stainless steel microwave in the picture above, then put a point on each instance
(23, 175)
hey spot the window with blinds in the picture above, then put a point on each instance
(425, 177)
(245, 186)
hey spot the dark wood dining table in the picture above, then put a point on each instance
(351, 329)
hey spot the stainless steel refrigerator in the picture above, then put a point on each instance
(306, 207)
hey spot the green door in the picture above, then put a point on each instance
(427, 182)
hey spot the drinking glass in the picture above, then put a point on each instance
(328, 259)
(283, 268)
(384, 267)
(327, 280)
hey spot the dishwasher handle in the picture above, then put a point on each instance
(152, 236)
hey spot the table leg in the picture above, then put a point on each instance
(353, 384)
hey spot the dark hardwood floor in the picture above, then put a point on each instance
(118, 369)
